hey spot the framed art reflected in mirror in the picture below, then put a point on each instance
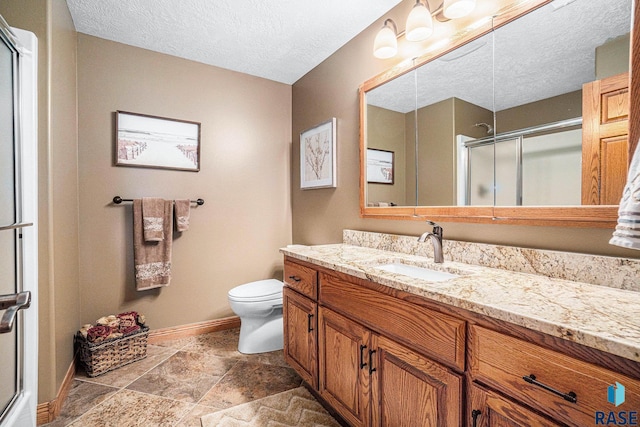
(379, 166)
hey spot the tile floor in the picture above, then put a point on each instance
(177, 383)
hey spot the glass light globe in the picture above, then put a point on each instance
(419, 23)
(386, 45)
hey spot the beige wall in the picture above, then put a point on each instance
(613, 57)
(549, 110)
(386, 131)
(435, 154)
(319, 216)
(63, 188)
(244, 180)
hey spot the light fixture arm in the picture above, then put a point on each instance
(391, 22)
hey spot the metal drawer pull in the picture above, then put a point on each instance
(363, 364)
(570, 397)
(295, 278)
(474, 415)
(371, 368)
(12, 303)
(309, 325)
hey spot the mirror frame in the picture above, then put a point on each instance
(591, 216)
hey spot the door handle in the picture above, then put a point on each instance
(12, 303)
(371, 368)
(363, 364)
(474, 416)
(310, 322)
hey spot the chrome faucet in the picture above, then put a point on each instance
(436, 241)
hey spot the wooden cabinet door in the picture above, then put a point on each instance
(605, 134)
(300, 335)
(344, 362)
(489, 409)
(410, 390)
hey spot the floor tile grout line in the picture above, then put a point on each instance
(217, 382)
(111, 396)
(88, 379)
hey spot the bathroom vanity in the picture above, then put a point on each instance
(489, 347)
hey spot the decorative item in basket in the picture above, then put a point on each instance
(113, 342)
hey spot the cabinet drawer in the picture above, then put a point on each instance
(434, 334)
(503, 362)
(302, 279)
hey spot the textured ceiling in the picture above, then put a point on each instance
(279, 40)
(543, 54)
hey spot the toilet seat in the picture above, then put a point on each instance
(261, 290)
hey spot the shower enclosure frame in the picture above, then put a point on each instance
(518, 136)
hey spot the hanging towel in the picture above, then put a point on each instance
(627, 232)
(152, 259)
(182, 213)
(152, 219)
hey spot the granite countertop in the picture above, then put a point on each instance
(596, 316)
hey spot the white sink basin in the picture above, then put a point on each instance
(417, 272)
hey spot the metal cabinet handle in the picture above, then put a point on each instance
(295, 278)
(371, 368)
(474, 416)
(570, 397)
(363, 364)
(309, 325)
(12, 303)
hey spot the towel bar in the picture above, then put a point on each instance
(117, 200)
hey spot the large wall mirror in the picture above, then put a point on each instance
(523, 122)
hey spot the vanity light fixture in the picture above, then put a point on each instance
(386, 42)
(419, 25)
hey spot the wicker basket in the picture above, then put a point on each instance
(105, 356)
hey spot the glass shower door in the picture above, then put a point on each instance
(8, 217)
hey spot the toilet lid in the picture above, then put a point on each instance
(260, 290)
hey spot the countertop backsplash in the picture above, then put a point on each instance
(614, 272)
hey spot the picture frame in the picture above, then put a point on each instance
(147, 141)
(318, 156)
(380, 166)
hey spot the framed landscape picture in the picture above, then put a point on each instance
(156, 142)
(318, 156)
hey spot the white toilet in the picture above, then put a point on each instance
(259, 306)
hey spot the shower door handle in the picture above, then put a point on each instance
(12, 303)
(15, 226)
